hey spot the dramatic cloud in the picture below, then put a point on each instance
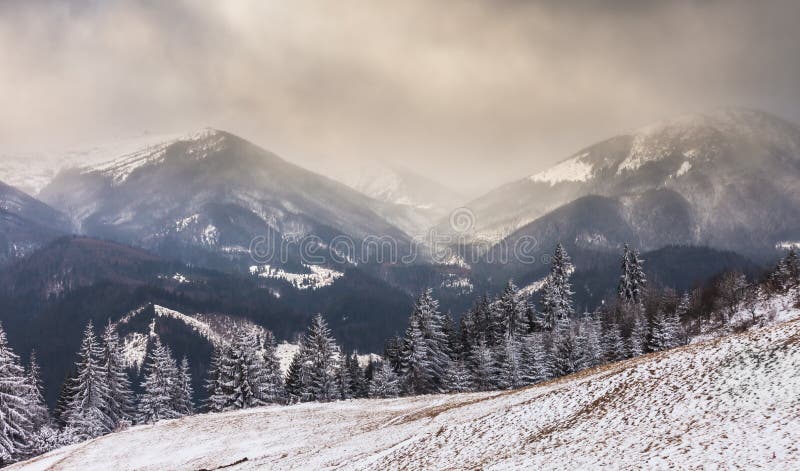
(473, 93)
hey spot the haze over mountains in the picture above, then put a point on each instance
(726, 179)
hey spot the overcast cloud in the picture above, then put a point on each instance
(472, 93)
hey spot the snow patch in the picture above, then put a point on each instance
(571, 170)
(319, 277)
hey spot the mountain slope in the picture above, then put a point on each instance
(411, 201)
(730, 178)
(723, 403)
(212, 192)
(26, 224)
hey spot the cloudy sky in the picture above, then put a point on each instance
(472, 93)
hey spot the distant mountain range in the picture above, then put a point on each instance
(728, 179)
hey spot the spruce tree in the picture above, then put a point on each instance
(557, 290)
(16, 423)
(384, 382)
(632, 280)
(120, 405)
(218, 384)
(639, 338)
(37, 408)
(613, 344)
(182, 393)
(535, 358)
(297, 389)
(483, 367)
(272, 387)
(663, 332)
(459, 378)
(510, 368)
(321, 353)
(157, 401)
(358, 384)
(87, 411)
(344, 383)
(424, 358)
(566, 356)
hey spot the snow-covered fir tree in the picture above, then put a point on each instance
(321, 352)
(272, 391)
(510, 312)
(244, 368)
(182, 392)
(297, 388)
(87, 414)
(569, 349)
(424, 358)
(639, 338)
(510, 367)
(483, 367)
(458, 377)
(157, 401)
(120, 405)
(535, 358)
(218, 384)
(592, 330)
(16, 423)
(613, 343)
(344, 383)
(663, 331)
(36, 406)
(557, 290)
(358, 384)
(385, 382)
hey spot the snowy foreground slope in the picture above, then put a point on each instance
(725, 403)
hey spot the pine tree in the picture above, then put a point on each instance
(424, 359)
(592, 330)
(633, 281)
(557, 290)
(459, 378)
(182, 393)
(344, 383)
(218, 384)
(566, 356)
(61, 410)
(272, 387)
(16, 423)
(161, 373)
(87, 414)
(120, 397)
(384, 383)
(663, 332)
(510, 370)
(244, 366)
(511, 312)
(321, 353)
(483, 367)
(535, 358)
(638, 340)
(358, 384)
(613, 344)
(36, 406)
(297, 389)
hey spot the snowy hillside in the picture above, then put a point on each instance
(723, 403)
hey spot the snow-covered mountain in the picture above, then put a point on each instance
(729, 179)
(728, 402)
(26, 223)
(32, 171)
(211, 193)
(411, 201)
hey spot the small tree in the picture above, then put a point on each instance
(384, 383)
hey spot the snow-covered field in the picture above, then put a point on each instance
(730, 402)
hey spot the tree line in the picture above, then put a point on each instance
(502, 342)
